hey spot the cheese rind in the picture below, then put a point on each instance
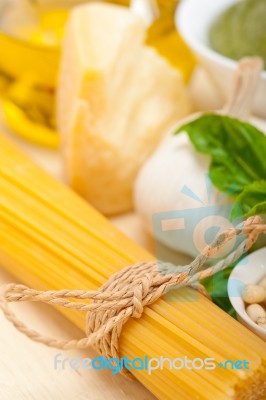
(116, 100)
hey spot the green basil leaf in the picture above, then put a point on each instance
(237, 150)
(252, 201)
(238, 167)
(216, 286)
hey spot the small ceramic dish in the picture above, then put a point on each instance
(248, 271)
(193, 20)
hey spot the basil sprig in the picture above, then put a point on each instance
(238, 159)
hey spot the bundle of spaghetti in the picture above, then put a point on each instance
(52, 239)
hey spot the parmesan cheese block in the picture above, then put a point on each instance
(116, 99)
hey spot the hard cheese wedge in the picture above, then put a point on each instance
(116, 100)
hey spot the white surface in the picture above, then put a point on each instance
(249, 271)
(194, 18)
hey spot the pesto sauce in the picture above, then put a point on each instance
(241, 30)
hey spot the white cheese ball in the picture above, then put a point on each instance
(174, 182)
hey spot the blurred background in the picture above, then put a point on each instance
(31, 32)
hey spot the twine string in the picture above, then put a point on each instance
(128, 292)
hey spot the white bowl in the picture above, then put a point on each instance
(248, 271)
(193, 19)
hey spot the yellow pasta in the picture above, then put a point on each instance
(52, 239)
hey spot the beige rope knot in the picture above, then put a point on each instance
(126, 294)
(129, 291)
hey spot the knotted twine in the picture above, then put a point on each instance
(128, 291)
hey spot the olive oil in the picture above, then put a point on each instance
(163, 35)
(30, 43)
